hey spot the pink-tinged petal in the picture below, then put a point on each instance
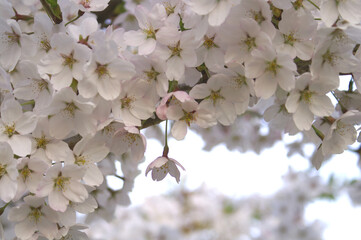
(147, 47)
(135, 38)
(44, 189)
(25, 229)
(157, 163)
(85, 124)
(292, 101)
(265, 86)
(96, 154)
(329, 12)
(286, 79)
(321, 105)
(108, 88)
(73, 171)
(93, 176)
(215, 58)
(47, 228)
(162, 112)
(158, 174)
(303, 117)
(10, 186)
(179, 130)
(87, 88)
(88, 206)
(68, 218)
(200, 91)
(121, 69)
(175, 68)
(33, 181)
(334, 145)
(226, 113)
(60, 125)
(6, 153)
(254, 67)
(219, 14)
(10, 57)
(11, 111)
(75, 192)
(27, 123)
(189, 57)
(59, 151)
(202, 7)
(63, 79)
(57, 201)
(173, 171)
(20, 144)
(18, 214)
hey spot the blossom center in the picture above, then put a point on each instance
(209, 43)
(273, 66)
(258, 17)
(289, 39)
(12, 37)
(215, 96)
(25, 172)
(10, 130)
(41, 142)
(35, 214)
(61, 182)
(188, 117)
(168, 8)
(2, 170)
(250, 42)
(151, 75)
(101, 70)
(80, 160)
(149, 32)
(68, 60)
(306, 96)
(329, 57)
(126, 102)
(175, 50)
(70, 109)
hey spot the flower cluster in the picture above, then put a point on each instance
(75, 94)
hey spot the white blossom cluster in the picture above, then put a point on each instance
(205, 214)
(75, 95)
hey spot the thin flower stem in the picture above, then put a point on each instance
(314, 4)
(74, 19)
(166, 148)
(318, 132)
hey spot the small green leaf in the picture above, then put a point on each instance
(52, 8)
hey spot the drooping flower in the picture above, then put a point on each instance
(161, 166)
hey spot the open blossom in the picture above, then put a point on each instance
(105, 73)
(13, 43)
(270, 69)
(184, 110)
(342, 133)
(8, 173)
(91, 5)
(70, 112)
(61, 185)
(307, 100)
(65, 61)
(149, 22)
(15, 126)
(161, 166)
(34, 216)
